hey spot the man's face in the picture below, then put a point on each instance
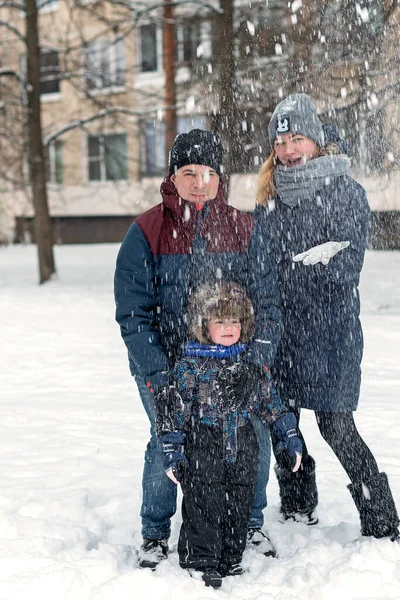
(196, 183)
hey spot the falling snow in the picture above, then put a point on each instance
(73, 435)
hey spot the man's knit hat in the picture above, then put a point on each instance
(296, 114)
(197, 147)
(220, 300)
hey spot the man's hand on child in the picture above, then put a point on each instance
(285, 430)
(174, 459)
(164, 410)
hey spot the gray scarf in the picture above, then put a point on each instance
(294, 184)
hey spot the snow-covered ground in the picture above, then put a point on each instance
(72, 436)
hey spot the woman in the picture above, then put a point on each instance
(316, 218)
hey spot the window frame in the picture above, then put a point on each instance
(101, 158)
(52, 69)
(193, 42)
(106, 48)
(54, 171)
(158, 52)
(203, 37)
(184, 124)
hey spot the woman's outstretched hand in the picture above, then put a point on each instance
(322, 253)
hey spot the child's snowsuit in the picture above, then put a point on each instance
(211, 400)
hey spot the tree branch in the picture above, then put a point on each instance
(145, 11)
(13, 30)
(100, 115)
(12, 5)
(11, 73)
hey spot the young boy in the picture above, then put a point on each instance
(210, 447)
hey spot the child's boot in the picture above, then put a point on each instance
(212, 577)
(231, 570)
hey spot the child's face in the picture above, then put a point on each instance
(224, 331)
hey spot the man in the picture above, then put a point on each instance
(191, 237)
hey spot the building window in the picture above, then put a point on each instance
(194, 41)
(154, 132)
(49, 72)
(189, 42)
(148, 48)
(54, 162)
(107, 157)
(155, 148)
(105, 65)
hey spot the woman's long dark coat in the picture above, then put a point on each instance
(318, 361)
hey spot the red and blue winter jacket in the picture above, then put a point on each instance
(170, 250)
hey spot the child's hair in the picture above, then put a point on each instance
(220, 300)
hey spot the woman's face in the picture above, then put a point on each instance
(293, 149)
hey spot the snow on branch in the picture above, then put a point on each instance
(100, 115)
(11, 73)
(17, 5)
(13, 30)
(384, 95)
(140, 14)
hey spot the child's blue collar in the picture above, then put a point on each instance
(217, 350)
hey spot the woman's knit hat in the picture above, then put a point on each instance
(198, 147)
(220, 300)
(296, 114)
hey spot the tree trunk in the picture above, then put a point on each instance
(37, 169)
(169, 51)
(224, 122)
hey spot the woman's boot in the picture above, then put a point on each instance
(375, 504)
(298, 492)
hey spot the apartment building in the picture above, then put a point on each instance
(102, 95)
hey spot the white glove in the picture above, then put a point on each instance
(322, 253)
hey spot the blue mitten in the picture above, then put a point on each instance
(174, 459)
(285, 431)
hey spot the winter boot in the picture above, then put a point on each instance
(152, 552)
(212, 577)
(260, 542)
(298, 492)
(230, 570)
(375, 504)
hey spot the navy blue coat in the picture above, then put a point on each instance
(169, 251)
(318, 360)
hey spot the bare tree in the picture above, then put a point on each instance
(37, 168)
(24, 140)
(169, 51)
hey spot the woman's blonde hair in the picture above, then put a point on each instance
(265, 185)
